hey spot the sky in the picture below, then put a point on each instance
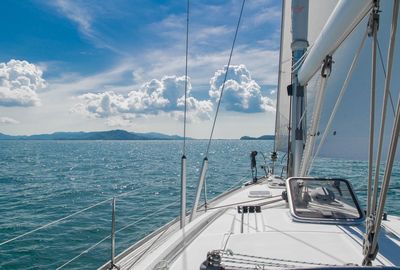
(86, 65)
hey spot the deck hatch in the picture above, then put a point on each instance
(323, 200)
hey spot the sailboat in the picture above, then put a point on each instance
(295, 220)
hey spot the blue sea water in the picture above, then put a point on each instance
(42, 181)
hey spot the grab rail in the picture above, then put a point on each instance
(112, 235)
(113, 221)
(66, 217)
(113, 231)
(54, 222)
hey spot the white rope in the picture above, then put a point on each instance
(299, 62)
(83, 252)
(389, 65)
(338, 101)
(229, 256)
(107, 237)
(393, 142)
(313, 129)
(145, 217)
(54, 222)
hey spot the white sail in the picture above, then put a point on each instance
(284, 79)
(341, 23)
(319, 12)
(349, 134)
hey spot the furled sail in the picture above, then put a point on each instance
(319, 12)
(284, 79)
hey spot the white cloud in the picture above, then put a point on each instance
(19, 83)
(152, 98)
(267, 14)
(76, 13)
(8, 120)
(83, 13)
(241, 93)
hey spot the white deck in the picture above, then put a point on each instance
(270, 236)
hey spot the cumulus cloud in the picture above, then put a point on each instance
(8, 120)
(241, 93)
(19, 83)
(152, 98)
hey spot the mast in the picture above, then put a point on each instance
(299, 46)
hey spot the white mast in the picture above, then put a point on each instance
(299, 46)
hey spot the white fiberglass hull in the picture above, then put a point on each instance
(269, 238)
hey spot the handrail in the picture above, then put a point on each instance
(240, 182)
(84, 252)
(67, 217)
(143, 218)
(107, 237)
(54, 222)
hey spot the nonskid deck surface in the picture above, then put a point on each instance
(268, 237)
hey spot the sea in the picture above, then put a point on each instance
(45, 181)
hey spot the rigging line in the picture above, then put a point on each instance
(301, 118)
(394, 138)
(316, 117)
(389, 64)
(149, 247)
(384, 73)
(273, 259)
(186, 79)
(54, 222)
(83, 252)
(339, 100)
(299, 62)
(225, 78)
(143, 218)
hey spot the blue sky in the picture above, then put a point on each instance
(69, 65)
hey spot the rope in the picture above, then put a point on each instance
(384, 73)
(107, 237)
(69, 216)
(299, 62)
(311, 137)
(388, 78)
(145, 217)
(265, 260)
(225, 78)
(393, 143)
(83, 252)
(54, 222)
(147, 249)
(186, 80)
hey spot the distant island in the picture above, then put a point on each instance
(96, 135)
(263, 137)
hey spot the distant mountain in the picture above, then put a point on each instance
(117, 134)
(263, 137)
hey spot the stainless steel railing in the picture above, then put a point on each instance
(111, 236)
(114, 230)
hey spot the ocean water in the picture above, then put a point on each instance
(42, 181)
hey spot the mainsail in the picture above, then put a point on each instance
(349, 133)
(284, 79)
(319, 12)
